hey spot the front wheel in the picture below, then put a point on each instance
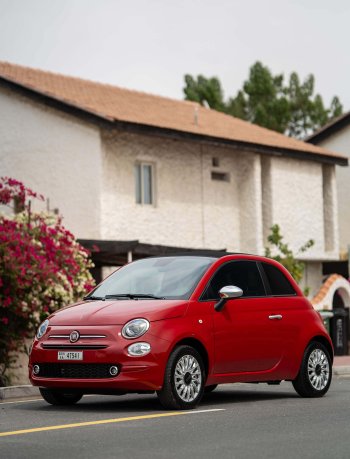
(184, 379)
(59, 397)
(315, 373)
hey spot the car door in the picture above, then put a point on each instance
(286, 308)
(245, 338)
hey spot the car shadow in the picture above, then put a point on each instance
(140, 403)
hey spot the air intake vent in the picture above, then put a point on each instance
(75, 370)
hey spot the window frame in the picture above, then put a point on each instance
(141, 164)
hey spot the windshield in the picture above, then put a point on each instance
(166, 277)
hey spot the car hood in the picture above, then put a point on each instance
(114, 312)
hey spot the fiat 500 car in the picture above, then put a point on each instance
(179, 326)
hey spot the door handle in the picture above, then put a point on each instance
(275, 317)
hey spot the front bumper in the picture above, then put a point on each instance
(135, 373)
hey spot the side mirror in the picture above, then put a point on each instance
(226, 293)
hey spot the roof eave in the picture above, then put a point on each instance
(106, 121)
(329, 129)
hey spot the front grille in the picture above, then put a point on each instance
(74, 370)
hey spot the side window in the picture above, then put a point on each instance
(279, 284)
(243, 274)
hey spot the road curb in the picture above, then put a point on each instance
(18, 392)
(341, 370)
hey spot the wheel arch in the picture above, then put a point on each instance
(323, 340)
(199, 346)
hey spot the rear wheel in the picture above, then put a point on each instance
(184, 379)
(315, 373)
(59, 397)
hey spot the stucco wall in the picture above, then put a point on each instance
(191, 209)
(312, 279)
(340, 142)
(56, 155)
(297, 205)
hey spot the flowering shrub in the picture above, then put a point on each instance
(42, 268)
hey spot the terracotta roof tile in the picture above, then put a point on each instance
(114, 103)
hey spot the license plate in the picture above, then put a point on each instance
(70, 355)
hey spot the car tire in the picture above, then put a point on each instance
(59, 397)
(209, 389)
(184, 380)
(315, 374)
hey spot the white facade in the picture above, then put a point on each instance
(87, 172)
(56, 155)
(340, 141)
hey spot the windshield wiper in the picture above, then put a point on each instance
(92, 297)
(134, 296)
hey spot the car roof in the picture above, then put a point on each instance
(202, 253)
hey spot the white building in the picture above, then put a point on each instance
(147, 173)
(336, 136)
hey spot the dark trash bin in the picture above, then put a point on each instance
(326, 317)
(339, 330)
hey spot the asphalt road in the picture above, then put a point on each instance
(236, 421)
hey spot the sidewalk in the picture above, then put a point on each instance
(341, 367)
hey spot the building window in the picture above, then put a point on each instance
(144, 183)
(215, 162)
(220, 176)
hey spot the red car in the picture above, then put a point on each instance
(181, 325)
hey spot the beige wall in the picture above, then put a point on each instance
(56, 155)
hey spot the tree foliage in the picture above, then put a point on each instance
(281, 252)
(288, 107)
(42, 268)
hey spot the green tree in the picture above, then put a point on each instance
(281, 252)
(262, 100)
(205, 91)
(267, 100)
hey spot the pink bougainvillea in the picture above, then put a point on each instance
(42, 268)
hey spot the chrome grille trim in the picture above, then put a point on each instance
(72, 347)
(81, 336)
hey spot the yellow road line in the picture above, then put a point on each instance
(105, 421)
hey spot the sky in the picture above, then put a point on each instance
(149, 45)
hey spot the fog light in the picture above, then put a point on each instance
(36, 369)
(113, 371)
(139, 349)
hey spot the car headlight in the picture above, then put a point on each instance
(42, 329)
(135, 328)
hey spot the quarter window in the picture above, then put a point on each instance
(243, 274)
(144, 191)
(279, 284)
